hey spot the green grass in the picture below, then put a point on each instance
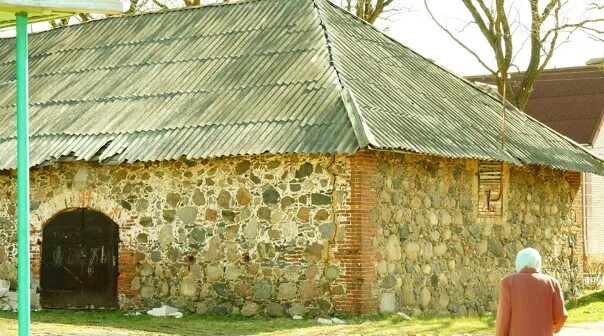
(589, 308)
(115, 323)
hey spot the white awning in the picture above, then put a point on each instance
(44, 10)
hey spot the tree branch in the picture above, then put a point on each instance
(457, 40)
(189, 3)
(548, 8)
(490, 36)
(532, 70)
(379, 8)
(507, 35)
(549, 53)
(487, 12)
(161, 4)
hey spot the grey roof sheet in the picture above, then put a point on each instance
(262, 76)
(408, 102)
(203, 82)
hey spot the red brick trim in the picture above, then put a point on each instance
(355, 253)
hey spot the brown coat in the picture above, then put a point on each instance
(530, 304)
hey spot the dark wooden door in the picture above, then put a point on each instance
(79, 261)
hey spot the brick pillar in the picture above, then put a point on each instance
(355, 254)
(35, 248)
(126, 269)
(126, 273)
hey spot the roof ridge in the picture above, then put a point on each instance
(505, 152)
(570, 79)
(372, 27)
(455, 75)
(359, 125)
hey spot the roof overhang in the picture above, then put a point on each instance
(44, 10)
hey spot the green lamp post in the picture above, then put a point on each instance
(18, 13)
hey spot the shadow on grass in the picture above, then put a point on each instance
(586, 300)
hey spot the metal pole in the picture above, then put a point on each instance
(23, 176)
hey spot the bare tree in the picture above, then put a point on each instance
(368, 10)
(544, 32)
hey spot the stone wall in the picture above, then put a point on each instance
(237, 235)
(8, 229)
(439, 256)
(308, 234)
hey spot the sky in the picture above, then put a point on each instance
(417, 30)
(413, 27)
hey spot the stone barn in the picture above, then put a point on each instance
(275, 157)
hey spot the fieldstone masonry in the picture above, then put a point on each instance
(224, 236)
(279, 235)
(440, 256)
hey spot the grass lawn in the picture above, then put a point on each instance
(115, 323)
(589, 308)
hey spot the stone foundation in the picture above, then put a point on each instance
(307, 234)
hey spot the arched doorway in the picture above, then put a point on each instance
(79, 261)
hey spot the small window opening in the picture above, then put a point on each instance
(490, 188)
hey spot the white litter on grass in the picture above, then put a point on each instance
(164, 311)
(133, 314)
(324, 321)
(176, 315)
(336, 320)
(333, 320)
(404, 316)
(297, 317)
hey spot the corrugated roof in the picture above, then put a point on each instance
(263, 76)
(415, 105)
(569, 100)
(202, 82)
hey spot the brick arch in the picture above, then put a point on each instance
(124, 218)
(79, 199)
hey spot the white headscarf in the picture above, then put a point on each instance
(528, 258)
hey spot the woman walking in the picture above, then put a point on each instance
(530, 303)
